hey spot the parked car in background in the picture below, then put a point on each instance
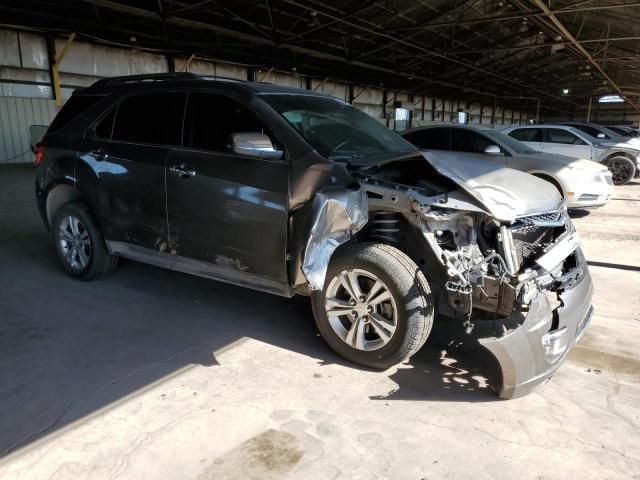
(290, 191)
(584, 183)
(622, 160)
(624, 130)
(602, 133)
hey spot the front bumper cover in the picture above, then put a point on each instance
(530, 354)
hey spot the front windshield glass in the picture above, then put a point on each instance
(509, 142)
(337, 130)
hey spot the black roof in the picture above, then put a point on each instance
(185, 79)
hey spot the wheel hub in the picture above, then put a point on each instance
(361, 309)
(75, 243)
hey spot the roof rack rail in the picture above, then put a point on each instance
(158, 77)
(220, 77)
(150, 77)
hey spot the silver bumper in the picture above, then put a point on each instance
(529, 355)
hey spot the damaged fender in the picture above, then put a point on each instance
(338, 213)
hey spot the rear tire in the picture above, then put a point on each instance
(80, 244)
(385, 312)
(622, 169)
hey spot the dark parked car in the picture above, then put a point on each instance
(289, 191)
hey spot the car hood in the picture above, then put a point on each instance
(504, 193)
(630, 147)
(552, 161)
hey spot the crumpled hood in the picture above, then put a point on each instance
(505, 193)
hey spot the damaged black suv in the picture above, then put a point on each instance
(290, 191)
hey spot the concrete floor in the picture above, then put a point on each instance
(156, 374)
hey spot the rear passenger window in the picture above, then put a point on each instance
(211, 119)
(73, 108)
(557, 135)
(527, 134)
(431, 139)
(150, 118)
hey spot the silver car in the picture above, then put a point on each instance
(622, 159)
(584, 184)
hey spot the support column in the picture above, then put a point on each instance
(55, 68)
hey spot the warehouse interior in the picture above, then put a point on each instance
(500, 62)
(158, 374)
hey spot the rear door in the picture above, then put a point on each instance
(564, 142)
(227, 210)
(123, 160)
(532, 137)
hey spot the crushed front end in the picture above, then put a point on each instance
(523, 289)
(520, 287)
(505, 269)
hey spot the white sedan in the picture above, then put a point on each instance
(583, 183)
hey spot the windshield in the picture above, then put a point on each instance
(336, 129)
(509, 142)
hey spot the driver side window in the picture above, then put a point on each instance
(211, 119)
(483, 142)
(557, 135)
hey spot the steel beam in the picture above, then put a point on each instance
(567, 34)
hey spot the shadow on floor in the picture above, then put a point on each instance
(578, 212)
(69, 348)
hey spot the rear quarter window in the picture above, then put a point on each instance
(72, 109)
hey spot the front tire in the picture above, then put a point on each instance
(376, 307)
(622, 169)
(80, 244)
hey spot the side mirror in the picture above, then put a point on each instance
(602, 135)
(493, 150)
(254, 144)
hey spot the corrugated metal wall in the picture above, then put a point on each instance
(16, 116)
(24, 72)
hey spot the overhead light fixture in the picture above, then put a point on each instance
(565, 91)
(314, 19)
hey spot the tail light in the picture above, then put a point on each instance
(38, 156)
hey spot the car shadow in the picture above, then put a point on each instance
(578, 212)
(69, 348)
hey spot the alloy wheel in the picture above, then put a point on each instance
(361, 309)
(75, 242)
(620, 170)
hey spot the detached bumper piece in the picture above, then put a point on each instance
(530, 354)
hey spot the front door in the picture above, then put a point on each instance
(564, 142)
(227, 210)
(124, 159)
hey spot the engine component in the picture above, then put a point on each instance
(495, 296)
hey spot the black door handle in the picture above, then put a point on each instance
(183, 170)
(99, 154)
